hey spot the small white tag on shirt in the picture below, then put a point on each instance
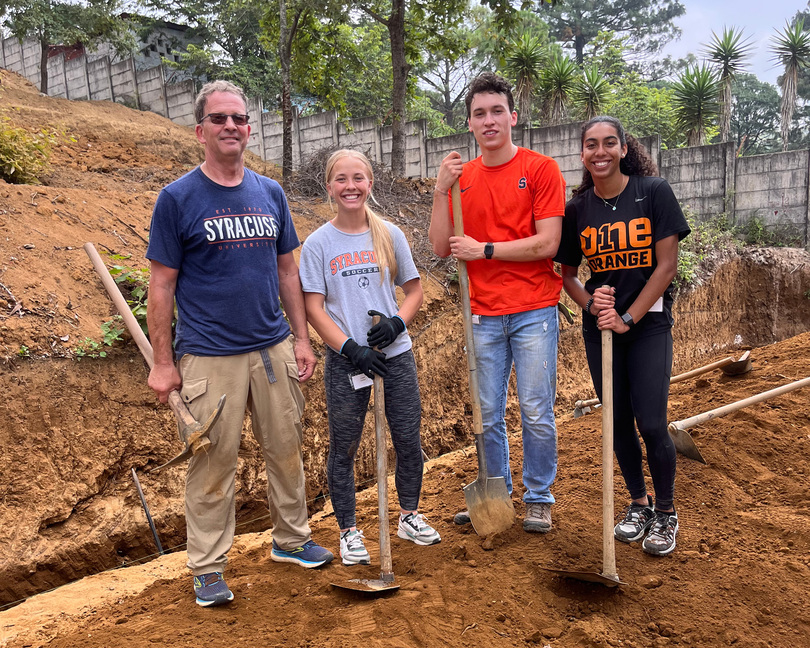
(658, 306)
(359, 380)
(476, 319)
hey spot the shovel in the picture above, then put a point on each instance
(193, 433)
(608, 576)
(385, 583)
(683, 440)
(487, 498)
(582, 407)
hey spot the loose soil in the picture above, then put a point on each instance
(75, 425)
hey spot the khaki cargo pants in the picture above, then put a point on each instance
(266, 383)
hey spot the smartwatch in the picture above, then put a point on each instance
(489, 250)
(627, 318)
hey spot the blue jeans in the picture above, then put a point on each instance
(530, 340)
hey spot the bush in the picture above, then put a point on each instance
(23, 154)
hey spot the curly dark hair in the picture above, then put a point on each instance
(636, 162)
(489, 82)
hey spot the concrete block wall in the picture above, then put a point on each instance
(774, 189)
(710, 180)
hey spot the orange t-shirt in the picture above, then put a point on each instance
(502, 203)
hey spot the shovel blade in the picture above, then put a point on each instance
(685, 444)
(490, 505)
(588, 577)
(367, 586)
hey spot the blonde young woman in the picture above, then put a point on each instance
(350, 268)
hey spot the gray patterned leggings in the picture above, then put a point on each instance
(347, 412)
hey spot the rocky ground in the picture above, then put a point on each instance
(75, 425)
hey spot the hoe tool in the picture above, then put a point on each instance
(488, 500)
(385, 583)
(684, 442)
(193, 434)
(582, 407)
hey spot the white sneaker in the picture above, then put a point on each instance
(415, 528)
(352, 549)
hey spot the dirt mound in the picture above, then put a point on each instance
(75, 426)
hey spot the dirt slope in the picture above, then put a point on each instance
(75, 426)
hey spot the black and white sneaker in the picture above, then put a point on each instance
(638, 518)
(660, 541)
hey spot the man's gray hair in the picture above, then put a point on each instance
(210, 88)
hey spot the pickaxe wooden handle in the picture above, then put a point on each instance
(193, 433)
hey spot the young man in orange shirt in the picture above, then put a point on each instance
(513, 200)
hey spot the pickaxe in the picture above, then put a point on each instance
(193, 434)
(582, 407)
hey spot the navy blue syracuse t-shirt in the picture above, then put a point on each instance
(225, 241)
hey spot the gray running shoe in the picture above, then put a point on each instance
(416, 529)
(638, 518)
(352, 549)
(660, 541)
(538, 517)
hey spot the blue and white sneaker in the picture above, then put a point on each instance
(211, 590)
(309, 555)
(415, 528)
(352, 549)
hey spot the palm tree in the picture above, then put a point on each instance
(557, 83)
(728, 52)
(591, 93)
(695, 100)
(524, 62)
(791, 48)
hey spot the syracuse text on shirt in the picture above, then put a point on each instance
(618, 245)
(362, 257)
(250, 227)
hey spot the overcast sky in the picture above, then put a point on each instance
(758, 18)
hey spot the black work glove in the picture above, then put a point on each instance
(365, 358)
(385, 331)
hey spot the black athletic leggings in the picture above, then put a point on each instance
(641, 373)
(347, 412)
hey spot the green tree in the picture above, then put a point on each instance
(754, 114)
(63, 22)
(728, 52)
(790, 48)
(525, 59)
(645, 110)
(591, 93)
(696, 104)
(557, 85)
(648, 24)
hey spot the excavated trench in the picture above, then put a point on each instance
(73, 430)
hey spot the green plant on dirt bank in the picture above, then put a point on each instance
(89, 348)
(23, 154)
(710, 239)
(134, 285)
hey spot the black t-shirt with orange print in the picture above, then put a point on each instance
(619, 245)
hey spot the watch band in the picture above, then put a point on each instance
(627, 318)
(489, 250)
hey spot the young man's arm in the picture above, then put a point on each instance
(289, 288)
(441, 227)
(542, 245)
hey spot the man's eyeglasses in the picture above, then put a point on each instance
(220, 118)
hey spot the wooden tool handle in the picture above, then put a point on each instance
(608, 545)
(464, 282)
(386, 564)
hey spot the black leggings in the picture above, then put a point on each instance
(347, 413)
(641, 373)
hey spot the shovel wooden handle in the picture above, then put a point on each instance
(464, 281)
(685, 424)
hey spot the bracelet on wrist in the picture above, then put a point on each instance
(588, 306)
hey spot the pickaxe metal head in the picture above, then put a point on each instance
(195, 437)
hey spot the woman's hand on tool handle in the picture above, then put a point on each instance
(607, 318)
